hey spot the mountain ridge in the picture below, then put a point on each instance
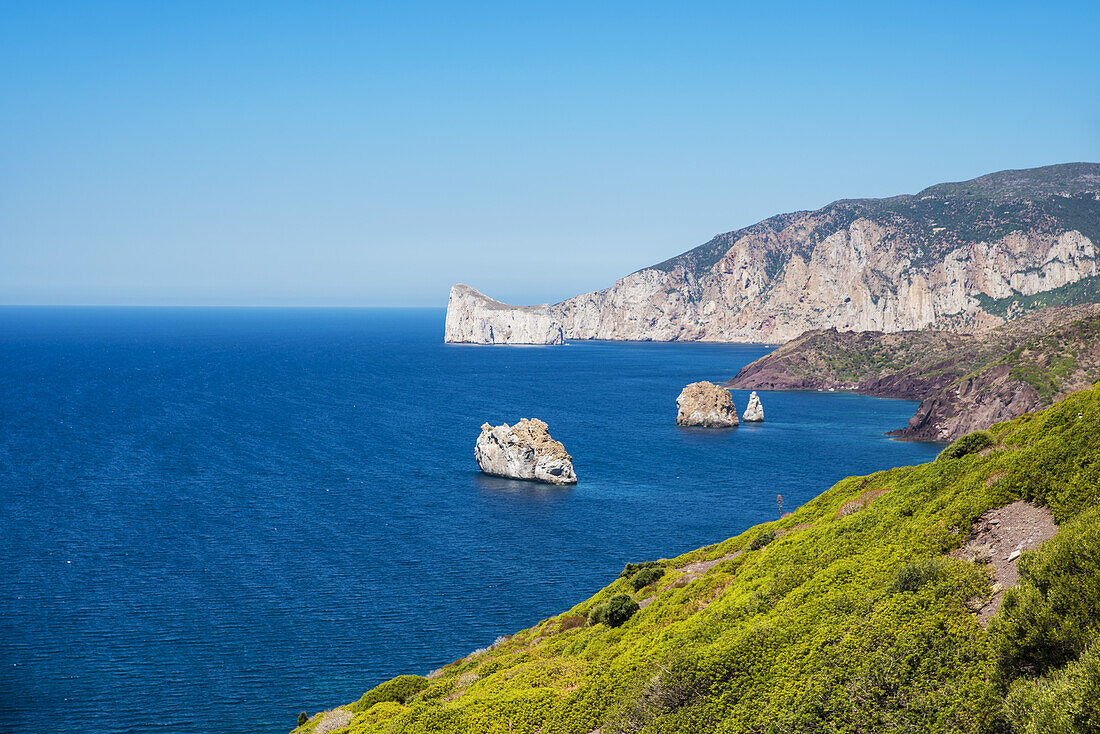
(906, 262)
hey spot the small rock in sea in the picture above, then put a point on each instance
(754, 413)
(524, 451)
(706, 405)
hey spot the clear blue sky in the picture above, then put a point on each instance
(351, 153)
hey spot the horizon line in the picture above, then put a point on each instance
(215, 305)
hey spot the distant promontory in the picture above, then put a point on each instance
(957, 257)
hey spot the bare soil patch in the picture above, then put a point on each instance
(997, 538)
(701, 567)
(333, 720)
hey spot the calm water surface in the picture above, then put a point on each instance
(233, 515)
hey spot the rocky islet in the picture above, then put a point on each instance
(524, 451)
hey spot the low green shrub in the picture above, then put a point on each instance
(1067, 702)
(971, 443)
(632, 568)
(912, 576)
(397, 690)
(646, 576)
(677, 683)
(762, 539)
(303, 718)
(619, 609)
(614, 612)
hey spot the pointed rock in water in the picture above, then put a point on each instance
(524, 451)
(707, 405)
(755, 411)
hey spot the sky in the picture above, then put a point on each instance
(352, 153)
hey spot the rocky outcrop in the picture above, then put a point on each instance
(965, 382)
(524, 451)
(333, 720)
(474, 318)
(940, 258)
(754, 413)
(706, 405)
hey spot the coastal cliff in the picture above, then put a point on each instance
(949, 257)
(965, 382)
(474, 318)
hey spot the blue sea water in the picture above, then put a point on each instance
(214, 519)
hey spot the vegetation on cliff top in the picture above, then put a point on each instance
(1050, 199)
(851, 619)
(1086, 290)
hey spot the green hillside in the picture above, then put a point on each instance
(845, 616)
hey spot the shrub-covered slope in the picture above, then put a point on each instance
(845, 616)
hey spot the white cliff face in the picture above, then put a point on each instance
(706, 405)
(524, 451)
(754, 413)
(858, 279)
(870, 265)
(474, 318)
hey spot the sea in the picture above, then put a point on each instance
(212, 519)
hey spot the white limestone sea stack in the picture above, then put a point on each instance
(474, 318)
(706, 405)
(754, 413)
(524, 451)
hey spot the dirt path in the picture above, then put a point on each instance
(998, 537)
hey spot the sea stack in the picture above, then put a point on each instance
(524, 451)
(706, 405)
(754, 413)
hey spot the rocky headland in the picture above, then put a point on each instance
(474, 318)
(965, 382)
(959, 257)
(524, 451)
(705, 405)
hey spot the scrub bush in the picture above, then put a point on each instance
(971, 443)
(632, 568)
(614, 612)
(762, 540)
(619, 609)
(1067, 702)
(912, 576)
(645, 577)
(397, 690)
(303, 718)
